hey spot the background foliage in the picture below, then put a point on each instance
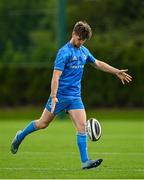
(28, 46)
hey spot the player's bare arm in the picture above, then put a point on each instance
(54, 88)
(121, 74)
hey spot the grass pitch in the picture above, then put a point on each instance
(53, 153)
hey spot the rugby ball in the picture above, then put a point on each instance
(93, 129)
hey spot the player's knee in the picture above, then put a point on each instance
(41, 124)
(82, 128)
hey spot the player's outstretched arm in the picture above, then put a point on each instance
(121, 74)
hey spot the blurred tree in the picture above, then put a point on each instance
(28, 45)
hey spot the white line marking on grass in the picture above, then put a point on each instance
(34, 169)
(122, 170)
(71, 169)
(103, 153)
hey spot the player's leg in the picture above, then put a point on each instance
(79, 118)
(33, 126)
(40, 123)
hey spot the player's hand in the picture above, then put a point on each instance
(123, 76)
(54, 101)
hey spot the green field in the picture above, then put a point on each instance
(53, 153)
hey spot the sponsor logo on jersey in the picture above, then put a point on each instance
(77, 67)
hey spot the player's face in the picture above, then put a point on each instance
(77, 41)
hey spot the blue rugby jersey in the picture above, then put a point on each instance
(71, 61)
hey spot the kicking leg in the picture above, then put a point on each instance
(79, 119)
(41, 123)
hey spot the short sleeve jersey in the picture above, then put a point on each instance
(71, 61)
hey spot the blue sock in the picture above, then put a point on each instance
(29, 129)
(82, 144)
